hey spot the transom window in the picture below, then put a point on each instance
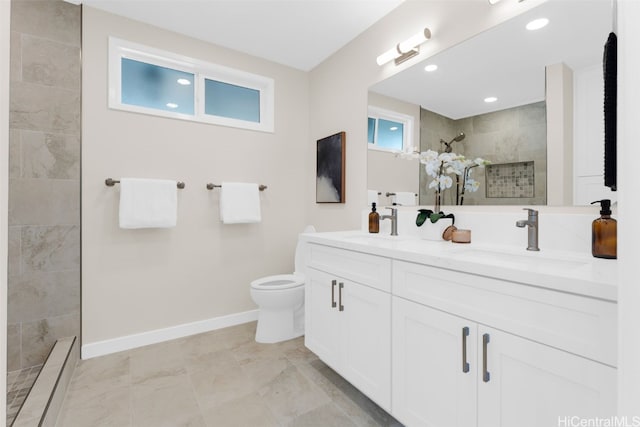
(388, 130)
(152, 81)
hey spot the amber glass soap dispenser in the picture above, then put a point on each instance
(374, 220)
(604, 233)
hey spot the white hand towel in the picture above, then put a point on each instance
(239, 203)
(405, 198)
(148, 203)
(372, 197)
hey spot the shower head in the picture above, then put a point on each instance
(459, 138)
(447, 145)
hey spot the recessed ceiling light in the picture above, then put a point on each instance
(171, 105)
(431, 67)
(490, 99)
(184, 82)
(392, 128)
(536, 24)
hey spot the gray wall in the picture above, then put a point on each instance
(513, 135)
(44, 179)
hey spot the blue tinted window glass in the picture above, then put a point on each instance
(371, 132)
(160, 88)
(390, 134)
(235, 102)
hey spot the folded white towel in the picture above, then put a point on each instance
(372, 197)
(148, 203)
(239, 203)
(405, 198)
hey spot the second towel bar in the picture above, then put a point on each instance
(109, 182)
(211, 186)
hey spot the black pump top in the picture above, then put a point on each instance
(373, 207)
(605, 206)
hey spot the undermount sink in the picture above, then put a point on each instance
(520, 260)
(376, 237)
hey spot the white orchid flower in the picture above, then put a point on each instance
(445, 181)
(472, 185)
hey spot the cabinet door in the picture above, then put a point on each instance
(533, 385)
(365, 323)
(432, 383)
(321, 316)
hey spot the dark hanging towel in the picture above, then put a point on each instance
(610, 97)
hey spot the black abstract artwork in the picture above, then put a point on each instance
(330, 169)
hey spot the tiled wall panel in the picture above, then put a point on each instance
(44, 185)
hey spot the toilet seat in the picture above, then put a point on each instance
(278, 282)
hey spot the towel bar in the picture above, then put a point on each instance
(211, 186)
(109, 182)
(393, 194)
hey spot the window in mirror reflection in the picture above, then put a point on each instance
(387, 130)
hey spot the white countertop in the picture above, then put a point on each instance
(563, 271)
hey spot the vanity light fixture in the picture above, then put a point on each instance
(184, 82)
(490, 99)
(171, 105)
(405, 50)
(536, 24)
(430, 68)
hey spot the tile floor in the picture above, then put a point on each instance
(220, 378)
(18, 385)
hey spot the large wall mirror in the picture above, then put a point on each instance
(544, 131)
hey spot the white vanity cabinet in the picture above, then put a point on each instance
(451, 369)
(434, 367)
(347, 317)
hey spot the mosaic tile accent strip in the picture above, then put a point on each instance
(18, 385)
(510, 180)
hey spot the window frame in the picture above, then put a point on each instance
(407, 121)
(119, 49)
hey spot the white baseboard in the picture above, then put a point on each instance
(127, 342)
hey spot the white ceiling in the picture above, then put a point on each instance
(507, 62)
(297, 33)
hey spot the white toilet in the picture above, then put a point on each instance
(280, 300)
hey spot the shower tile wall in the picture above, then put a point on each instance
(516, 134)
(44, 184)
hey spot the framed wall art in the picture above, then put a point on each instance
(330, 169)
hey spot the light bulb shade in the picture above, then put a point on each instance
(389, 55)
(405, 50)
(415, 40)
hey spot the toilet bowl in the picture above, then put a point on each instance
(280, 301)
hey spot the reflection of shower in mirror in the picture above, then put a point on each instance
(447, 145)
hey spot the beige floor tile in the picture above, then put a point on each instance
(165, 401)
(296, 352)
(290, 394)
(247, 411)
(214, 386)
(361, 410)
(327, 415)
(159, 360)
(220, 361)
(217, 379)
(252, 351)
(108, 409)
(113, 368)
(262, 372)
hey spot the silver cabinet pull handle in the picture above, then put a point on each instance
(333, 293)
(465, 364)
(486, 376)
(340, 286)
